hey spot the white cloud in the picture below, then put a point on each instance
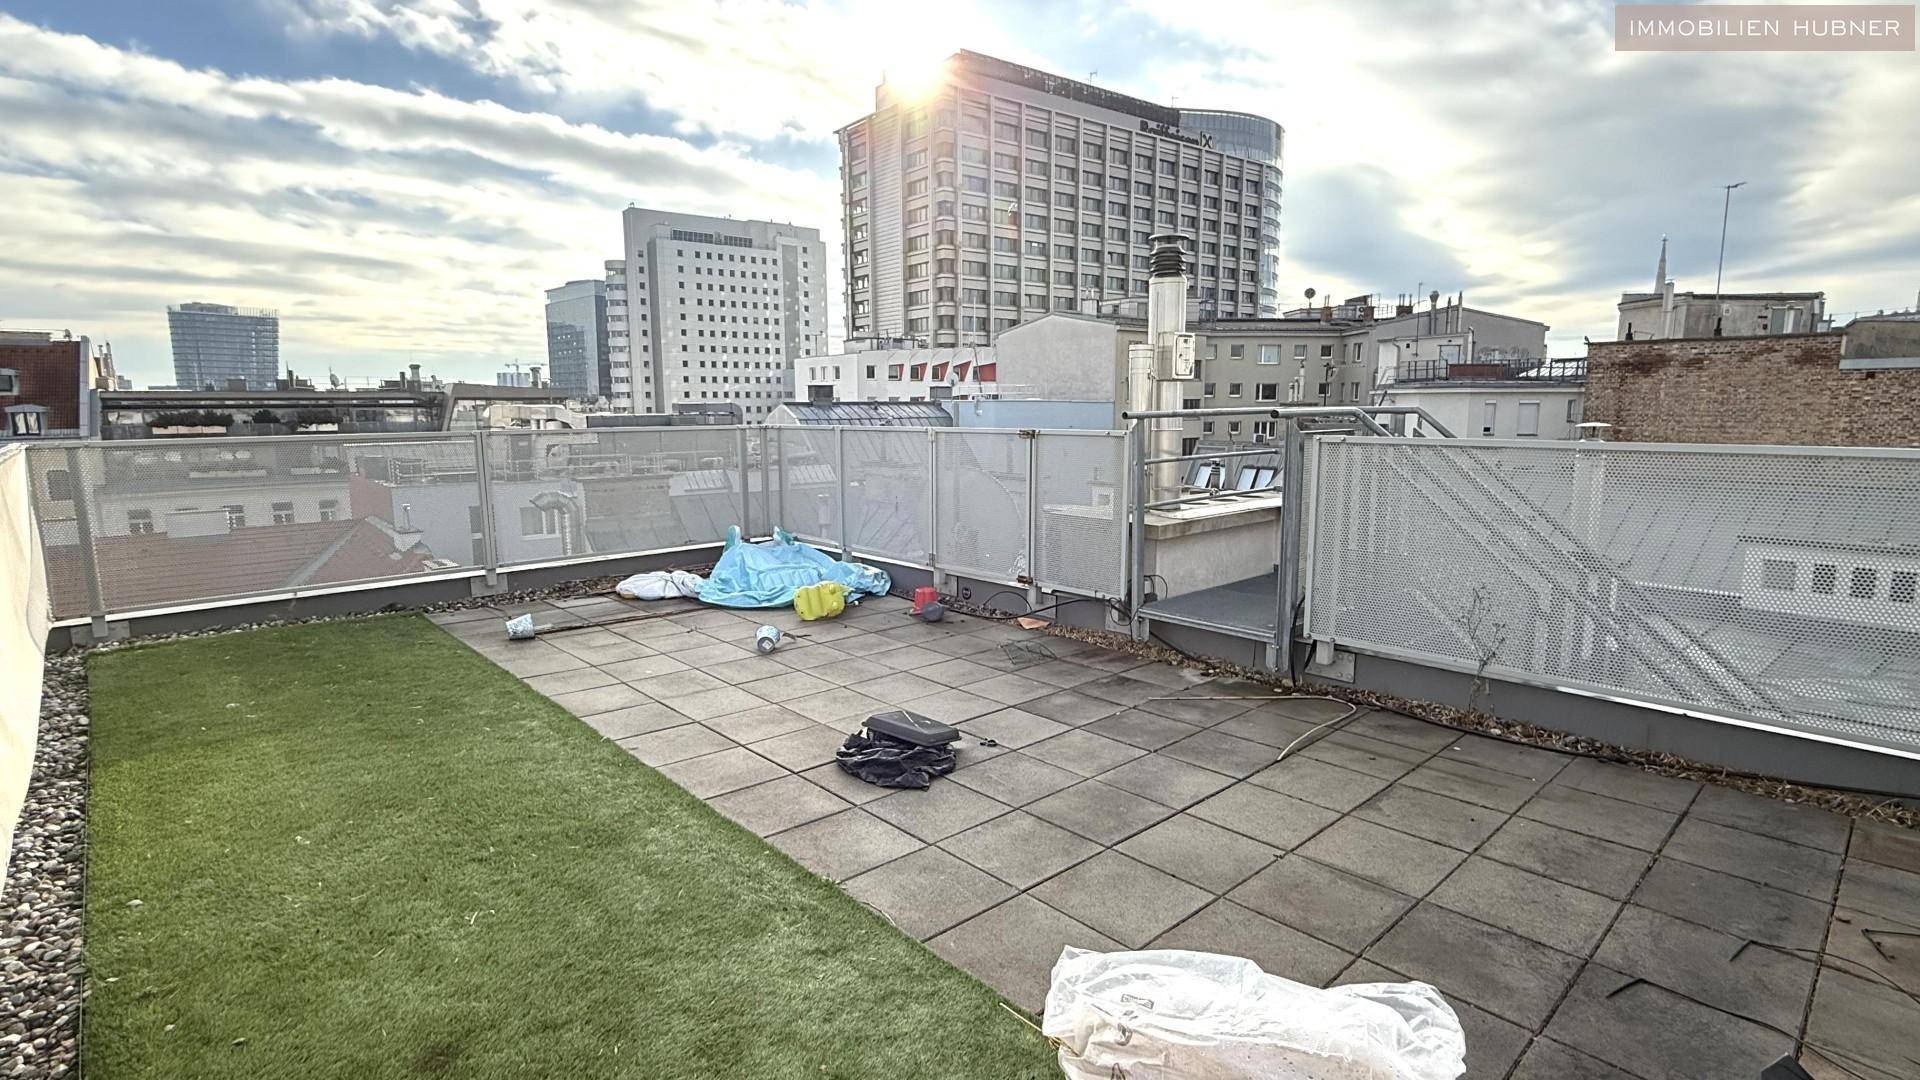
(379, 221)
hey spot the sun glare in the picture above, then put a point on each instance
(915, 81)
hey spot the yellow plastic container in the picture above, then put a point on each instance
(822, 600)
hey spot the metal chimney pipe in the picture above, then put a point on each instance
(1166, 321)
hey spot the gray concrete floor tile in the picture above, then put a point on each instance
(668, 745)
(1012, 728)
(840, 670)
(1015, 778)
(1762, 984)
(1654, 1033)
(1888, 845)
(844, 784)
(1493, 1044)
(1574, 858)
(1020, 849)
(1467, 782)
(1104, 814)
(1783, 865)
(600, 699)
(635, 720)
(957, 672)
(620, 649)
(463, 615)
(760, 722)
(1318, 782)
(951, 706)
(719, 773)
(1866, 1020)
(1122, 690)
(938, 812)
(1548, 1060)
(1515, 979)
(753, 669)
(1432, 817)
(1222, 753)
(1226, 927)
(1856, 939)
(1389, 761)
(1127, 900)
(1502, 756)
(1071, 707)
(842, 845)
(1166, 780)
(1734, 905)
(650, 631)
(562, 682)
(1012, 947)
(676, 684)
(1628, 784)
(801, 749)
(1405, 730)
(1537, 908)
(1795, 822)
(1596, 815)
(689, 641)
(896, 687)
(642, 668)
(1273, 729)
(1194, 706)
(1063, 674)
(1267, 816)
(778, 804)
(786, 686)
(1081, 751)
(835, 705)
(1136, 727)
(1319, 900)
(1403, 863)
(928, 891)
(1198, 851)
(531, 658)
(709, 704)
(1881, 890)
(1009, 688)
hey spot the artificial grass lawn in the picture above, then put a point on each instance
(363, 850)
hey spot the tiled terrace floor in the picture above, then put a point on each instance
(1585, 920)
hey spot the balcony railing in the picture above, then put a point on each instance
(1528, 369)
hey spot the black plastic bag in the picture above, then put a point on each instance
(889, 762)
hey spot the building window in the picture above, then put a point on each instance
(1266, 391)
(140, 522)
(26, 421)
(535, 522)
(1902, 586)
(236, 516)
(9, 381)
(1527, 425)
(283, 513)
(1269, 354)
(1863, 583)
(1780, 575)
(59, 485)
(329, 509)
(1233, 390)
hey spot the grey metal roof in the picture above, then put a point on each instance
(869, 413)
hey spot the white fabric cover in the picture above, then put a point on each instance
(660, 585)
(1176, 1015)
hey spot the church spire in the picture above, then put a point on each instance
(1660, 275)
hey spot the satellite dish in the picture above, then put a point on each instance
(1309, 294)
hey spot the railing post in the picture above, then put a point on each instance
(1280, 651)
(489, 549)
(773, 469)
(746, 489)
(83, 535)
(933, 506)
(1032, 439)
(1136, 506)
(845, 489)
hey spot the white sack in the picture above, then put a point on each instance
(660, 585)
(1175, 1015)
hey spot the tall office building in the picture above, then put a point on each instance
(1003, 193)
(715, 309)
(578, 362)
(214, 344)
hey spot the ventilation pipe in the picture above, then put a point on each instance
(1166, 323)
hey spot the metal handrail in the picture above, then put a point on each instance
(1220, 494)
(1265, 451)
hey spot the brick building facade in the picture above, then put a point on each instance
(1783, 389)
(41, 372)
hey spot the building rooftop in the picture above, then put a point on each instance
(868, 413)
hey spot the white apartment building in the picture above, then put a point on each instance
(707, 309)
(1005, 193)
(894, 372)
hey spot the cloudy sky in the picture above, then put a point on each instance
(402, 178)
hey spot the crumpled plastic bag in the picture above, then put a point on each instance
(767, 574)
(1176, 1015)
(660, 585)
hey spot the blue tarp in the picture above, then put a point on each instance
(767, 574)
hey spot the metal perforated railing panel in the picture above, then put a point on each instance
(889, 492)
(1080, 528)
(806, 476)
(612, 491)
(1780, 584)
(980, 493)
(149, 525)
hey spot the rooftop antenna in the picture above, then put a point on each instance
(1726, 207)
